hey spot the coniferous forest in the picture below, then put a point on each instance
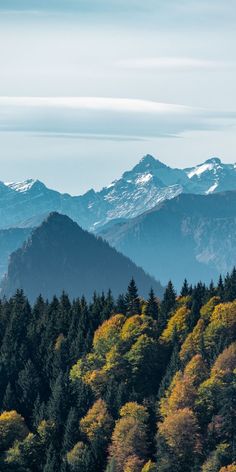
(126, 385)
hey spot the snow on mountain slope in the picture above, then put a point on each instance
(212, 176)
(148, 184)
(21, 186)
(200, 169)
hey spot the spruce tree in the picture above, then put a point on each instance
(171, 369)
(52, 460)
(220, 288)
(121, 305)
(9, 399)
(28, 384)
(39, 412)
(167, 305)
(152, 308)
(71, 433)
(185, 289)
(230, 286)
(132, 299)
(211, 290)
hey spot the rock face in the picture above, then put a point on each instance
(26, 204)
(191, 236)
(60, 255)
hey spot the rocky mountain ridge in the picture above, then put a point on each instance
(150, 182)
(191, 236)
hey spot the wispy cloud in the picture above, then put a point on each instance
(111, 118)
(175, 63)
(93, 103)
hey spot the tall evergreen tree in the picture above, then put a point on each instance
(167, 305)
(152, 308)
(52, 460)
(220, 288)
(230, 286)
(132, 299)
(121, 305)
(71, 432)
(185, 289)
(9, 400)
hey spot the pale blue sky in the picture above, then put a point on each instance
(88, 87)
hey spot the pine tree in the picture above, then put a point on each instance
(13, 341)
(39, 411)
(230, 286)
(52, 461)
(185, 289)
(57, 406)
(9, 399)
(132, 299)
(28, 384)
(121, 305)
(71, 433)
(108, 306)
(220, 288)
(152, 308)
(172, 367)
(167, 305)
(211, 290)
(64, 313)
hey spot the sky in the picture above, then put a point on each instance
(87, 87)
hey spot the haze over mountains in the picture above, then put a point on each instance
(150, 182)
(172, 222)
(190, 234)
(60, 255)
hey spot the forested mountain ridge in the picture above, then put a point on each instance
(59, 255)
(190, 235)
(127, 385)
(25, 204)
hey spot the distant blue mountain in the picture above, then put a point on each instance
(24, 205)
(191, 236)
(150, 182)
(59, 255)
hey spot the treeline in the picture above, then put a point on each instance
(126, 385)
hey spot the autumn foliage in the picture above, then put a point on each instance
(126, 385)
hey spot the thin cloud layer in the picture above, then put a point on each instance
(169, 63)
(106, 117)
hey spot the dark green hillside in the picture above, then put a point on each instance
(60, 255)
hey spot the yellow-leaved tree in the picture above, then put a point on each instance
(12, 427)
(98, 422)
(129, 445)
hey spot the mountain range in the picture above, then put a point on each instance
(191, 236)
(59, 255)
(165, 219)
(26, 204)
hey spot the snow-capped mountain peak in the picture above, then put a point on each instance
(139, 189)
(211, 176)
(148, 162)
(213, 163)
(21, 186)
(213, 160)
